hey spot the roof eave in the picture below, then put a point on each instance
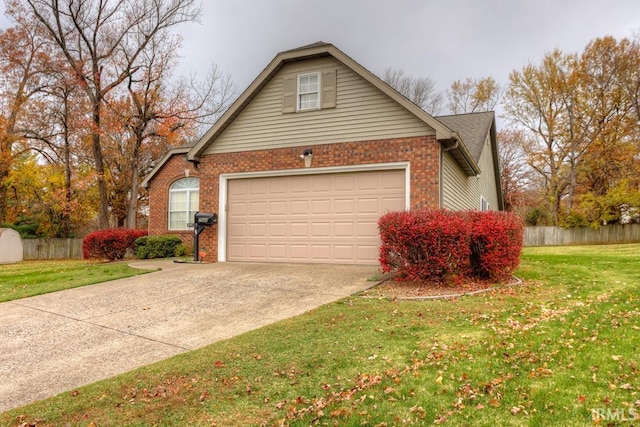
(174, 151)
(496, 162)
(461, 154)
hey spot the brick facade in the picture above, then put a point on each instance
(423, 153)
(173, 170)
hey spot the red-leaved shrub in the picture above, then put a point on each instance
(112, 244)
(424, 244)
(444, 245)
(496, 243)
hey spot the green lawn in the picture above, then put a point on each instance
(31, 278)
(552, 352)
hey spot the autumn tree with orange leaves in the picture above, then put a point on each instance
(103, 43)
(580, 113)
(94, 102)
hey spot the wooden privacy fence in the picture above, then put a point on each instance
(559, 236)
(52, 249)
(533, 236)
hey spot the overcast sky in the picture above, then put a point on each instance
(441, 39)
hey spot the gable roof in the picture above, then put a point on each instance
(318, 50)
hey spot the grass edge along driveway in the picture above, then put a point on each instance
(560, 350)
(30, 278)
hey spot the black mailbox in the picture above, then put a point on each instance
(206, 219)
(202, 221)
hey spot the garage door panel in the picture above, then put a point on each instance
(237, 250)
(391, 204)
(299, 229)
(321, 207)
(278, 230)
(325, 218)
(344, 183)
(299, 252)
(320, 252)
(368, 229)
(321, 184)
(258, 230)
(258, 187)
(321, 229)
(238, 230)
(393, 182)
(344, 206)
(344, 229)
(238, 208)
(344, 253)
(368, 206)
(278, 208)
(278, 186)
(299, 207)
(366, 253)
(258, 209)
(278, 252)
(299, 186)
(257, 251)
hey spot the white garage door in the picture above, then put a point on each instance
(327, 218)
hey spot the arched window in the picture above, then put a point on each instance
(184, 198)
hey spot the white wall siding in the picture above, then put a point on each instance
(362, 113)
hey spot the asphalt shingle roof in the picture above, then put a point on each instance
(472, 127)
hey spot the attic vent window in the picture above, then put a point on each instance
(309, 91)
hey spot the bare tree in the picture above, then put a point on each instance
(102, 42)
(515, 174)
(419, 90)
(474, 95)
(155, 113)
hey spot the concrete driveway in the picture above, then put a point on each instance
(57, 342)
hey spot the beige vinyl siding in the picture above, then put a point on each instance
(458, 192)
(487, 179)
(361, 113)
(461, 192)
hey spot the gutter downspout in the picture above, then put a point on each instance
(445, 150)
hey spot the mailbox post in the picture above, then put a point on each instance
(202, 221)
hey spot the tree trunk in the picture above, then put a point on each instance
(132, 209)
(3, 198)
(99, 162)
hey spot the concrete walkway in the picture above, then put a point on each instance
(57, 342)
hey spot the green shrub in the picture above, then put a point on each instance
(183, 250)
(165, 246)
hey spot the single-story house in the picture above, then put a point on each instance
(311, 154)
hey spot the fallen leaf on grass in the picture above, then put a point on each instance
(218, 364)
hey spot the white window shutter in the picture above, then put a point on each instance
(289, 95)
(328, 89)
